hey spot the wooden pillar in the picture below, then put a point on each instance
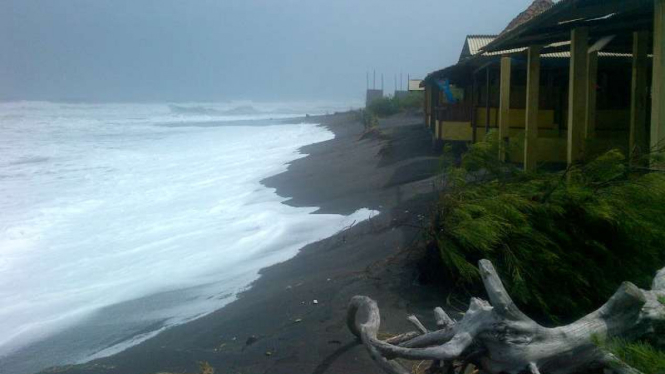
(532, 99)
(578, 83)
(658, 89)
(592, 73)
(487, 100)
(638, 143)
(504, 106)
(474, 116)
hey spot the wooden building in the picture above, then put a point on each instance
(562, 83)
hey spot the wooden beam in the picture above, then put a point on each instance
(590, 115)
(638, 143)
(532, 100)
(504, 106)
(658, 89)
(577, 86)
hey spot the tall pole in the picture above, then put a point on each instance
(374, 80)
(381, 82)
(367, 79)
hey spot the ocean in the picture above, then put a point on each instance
(118, 221)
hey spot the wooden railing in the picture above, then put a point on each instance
(454, 112)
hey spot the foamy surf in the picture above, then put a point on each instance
(114, 227)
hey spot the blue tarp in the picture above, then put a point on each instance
(445, 87)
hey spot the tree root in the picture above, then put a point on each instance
(498, 338)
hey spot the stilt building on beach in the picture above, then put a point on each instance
(563, 82)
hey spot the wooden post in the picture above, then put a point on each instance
(532, 100)
(658, 90)
(590, 118)
(578, 83)
(504, 106)
(474, 116)
(638, 143)
(487, 100)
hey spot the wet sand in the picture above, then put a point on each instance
(276, 327)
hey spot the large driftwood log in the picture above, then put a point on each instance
(498, 338)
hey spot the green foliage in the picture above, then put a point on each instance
(384, 107)
(368, 119)
(638, 355)
(388, 106)
(562, 242)
(411, 101)
(661, 300)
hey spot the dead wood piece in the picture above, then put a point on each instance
(498, 337)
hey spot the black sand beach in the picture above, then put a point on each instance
(277, 326)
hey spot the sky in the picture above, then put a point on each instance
(221, 50)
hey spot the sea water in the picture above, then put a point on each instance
(118, 221)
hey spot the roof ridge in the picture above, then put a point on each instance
(535, 9)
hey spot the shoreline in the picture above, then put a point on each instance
(275, 326)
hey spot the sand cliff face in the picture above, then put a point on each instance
(292, 319)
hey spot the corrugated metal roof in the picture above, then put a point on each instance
(477, 42)
(557, 54)
(602, 17)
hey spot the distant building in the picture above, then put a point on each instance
(373, 94)
(414, 85)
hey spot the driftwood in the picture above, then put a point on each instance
(497, 337)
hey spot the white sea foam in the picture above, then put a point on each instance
(101, 206)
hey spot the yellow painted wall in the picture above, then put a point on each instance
(612, 132)
(456, 131)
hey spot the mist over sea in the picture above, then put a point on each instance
(120, 220)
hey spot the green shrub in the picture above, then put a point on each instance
(411, 101)
(388, 106)
(368, 119)
(638, 355)
(562, 242)
(384, 107)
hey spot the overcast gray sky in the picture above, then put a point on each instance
(277, 50)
